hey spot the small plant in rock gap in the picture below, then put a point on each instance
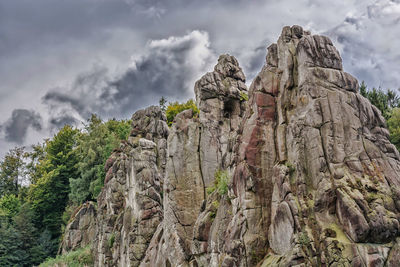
(244, 96)
(220, 183)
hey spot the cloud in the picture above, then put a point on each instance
(58, 122)
(16, 127)
(169, 67)
(369, 43)
(71, 59)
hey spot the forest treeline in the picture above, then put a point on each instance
(40, 187)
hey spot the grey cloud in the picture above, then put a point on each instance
(59, 97)
(17, 126)
(45, 44)
(60, 121)
(369, 44)
(168, 68)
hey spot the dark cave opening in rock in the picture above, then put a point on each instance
(229, 106)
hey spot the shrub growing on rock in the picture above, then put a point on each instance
(175, 108)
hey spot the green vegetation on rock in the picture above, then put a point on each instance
(78, 258)
(244, 96)
(175, 108)
(220, 183)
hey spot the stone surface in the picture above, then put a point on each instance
(81, 229)
(130, 204)
(311, 178)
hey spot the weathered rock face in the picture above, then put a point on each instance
(130, 204)
(298, 172)
(81, 230)
(197, 149)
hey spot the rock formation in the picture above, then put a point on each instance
(81, 229)
(296, 171)
(130, 204)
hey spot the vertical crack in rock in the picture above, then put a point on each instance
(201, 172)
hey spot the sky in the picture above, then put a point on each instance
(61, 61)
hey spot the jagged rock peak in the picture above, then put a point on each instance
(226, 81)
(149, 123)
(228, 66)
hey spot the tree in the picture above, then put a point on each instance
(384, 101)
(33, 158)
(394, 127)
(11, 253)
(9, 206)
(49, 195)
(34, 250)
(163, 103)
(94, 147)
(12, 171)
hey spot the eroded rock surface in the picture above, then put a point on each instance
(130, 204)
(81, 229)
(296, 171)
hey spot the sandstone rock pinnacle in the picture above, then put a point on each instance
(297, 170)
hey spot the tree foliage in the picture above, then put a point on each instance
(20, 243)
(394, 127)
(175, 108)
(385, 101)
(12, 171)
(9, 206)
(94, 147)
(388, 102)
(39, 187)
(49, 196)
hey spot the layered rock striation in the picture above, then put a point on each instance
(297, 170)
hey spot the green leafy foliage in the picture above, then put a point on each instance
(12, 171)
(20, 242)
(304, 239)
(49, 196)
(385, 101)
(394, 127)
(63, 172)
(388, 102)
(244, 96)
(9, 206)
(11, 253)
(33, 159)
(175, 108)
(221, 182)
(80, 257)
(94, 147)
(111, 240)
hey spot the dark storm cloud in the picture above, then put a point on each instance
(168, 68)
(17, 126)
(45, 45)
(60, 121)
(59, 97)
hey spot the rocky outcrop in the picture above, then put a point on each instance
(130, 204)
(197, 149)
(296, 171)
(81, 228)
